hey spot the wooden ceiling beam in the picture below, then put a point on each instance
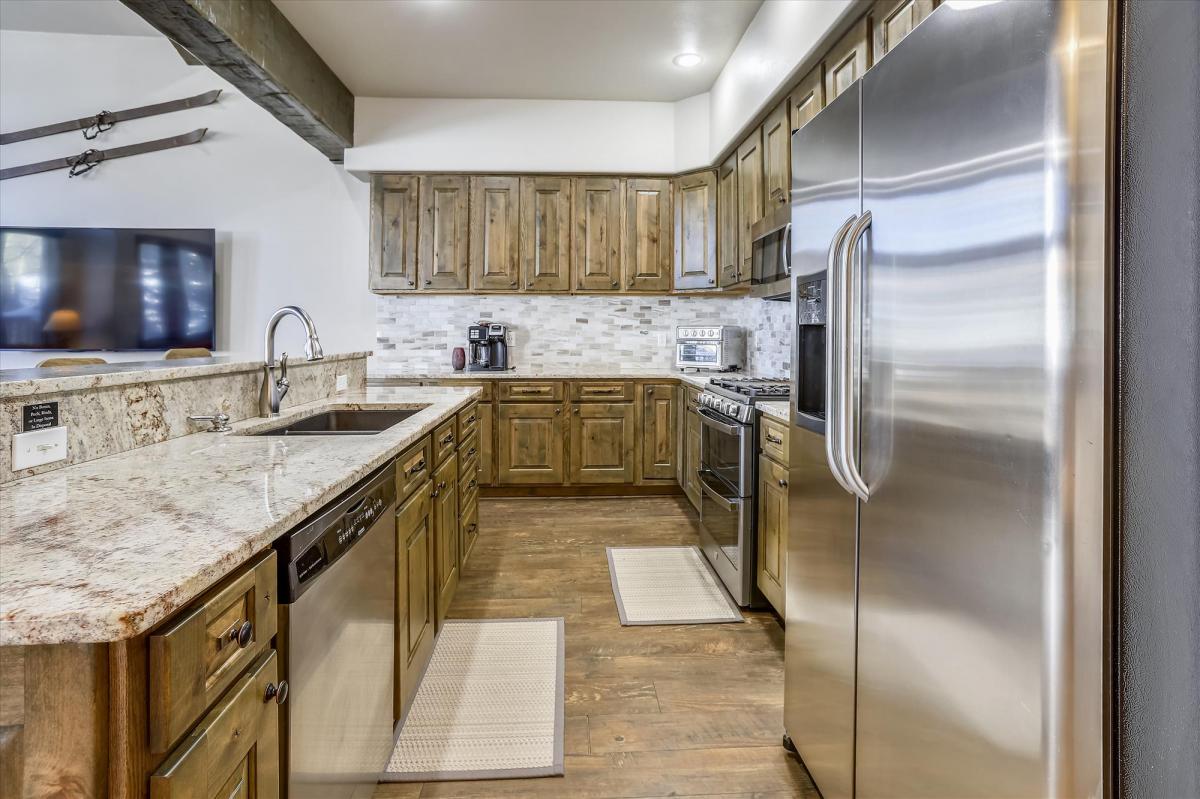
(253, 46)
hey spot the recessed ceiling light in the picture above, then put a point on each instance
(687, 60)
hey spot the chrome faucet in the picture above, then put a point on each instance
(274, 388)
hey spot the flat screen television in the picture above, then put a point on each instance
(106, 288)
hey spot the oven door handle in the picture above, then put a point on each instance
(718, 424)
(724, 504)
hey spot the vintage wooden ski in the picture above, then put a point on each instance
(87, 160)
(106, 119)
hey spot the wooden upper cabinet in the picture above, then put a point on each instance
(648, 250)
(696, 230)
(596, 238)
(546, 233)
(659, 440)
(603, 442)
(777, 156)
(807, 98)
(443, 229)
(394, 232)
(750, 198)
(848, 60)
(495, 228)
(895, 19)
(727, 222)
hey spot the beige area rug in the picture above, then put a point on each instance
(668, 585)
(490, 705)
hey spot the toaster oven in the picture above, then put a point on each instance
(719, 348)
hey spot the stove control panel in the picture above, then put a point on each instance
(735, 411)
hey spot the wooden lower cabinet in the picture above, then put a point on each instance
(659, 415)
(603, 443)
(468, 528)
(529, 443)
(487, 435)
(446, 534)
(234, 750)
(772, 530)
(416, 593)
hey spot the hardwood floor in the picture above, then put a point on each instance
(688, 710)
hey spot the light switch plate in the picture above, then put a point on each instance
(39, 447)
(343, 382)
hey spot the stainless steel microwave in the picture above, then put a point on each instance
(721, 348)
(770, 258)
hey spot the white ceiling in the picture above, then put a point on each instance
(527, 49)
(107, 17)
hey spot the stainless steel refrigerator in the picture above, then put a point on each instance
(946, 590)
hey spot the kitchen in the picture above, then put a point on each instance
(599, 398)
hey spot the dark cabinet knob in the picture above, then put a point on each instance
(277, 692)
(243, 634)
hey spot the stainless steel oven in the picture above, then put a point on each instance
(727, 498)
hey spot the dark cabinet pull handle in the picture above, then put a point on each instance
(773, 439)
(470, 419)
(418, 468)
(277, 692)
(448, 439)
(470, 452)
(242, 634)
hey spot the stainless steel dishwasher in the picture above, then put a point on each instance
(337, 606)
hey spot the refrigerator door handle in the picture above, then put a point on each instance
(833, 379)
(851, 323)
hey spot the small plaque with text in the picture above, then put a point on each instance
(40, 416)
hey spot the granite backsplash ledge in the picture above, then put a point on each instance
(108, 419)
(415, 334)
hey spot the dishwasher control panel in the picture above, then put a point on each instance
(318, 543)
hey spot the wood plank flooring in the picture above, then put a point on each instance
(689, 710)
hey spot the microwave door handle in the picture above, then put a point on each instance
(833, 350)
(722, 503)
(852, 343)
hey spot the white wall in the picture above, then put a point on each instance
(291, 226)
(415, 134)
(512, 136)
(782, 35)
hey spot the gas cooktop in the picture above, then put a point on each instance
(750, 389)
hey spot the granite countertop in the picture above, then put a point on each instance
(776, 410)
(697, 379)
(55, 379)
(104, 550)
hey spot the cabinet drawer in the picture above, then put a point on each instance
(468, 458)
(602, 391)
(204, 649)
(468, 421)
(445, 440)
(773, 439)
(468, 485)
(525, 392)
(234, 751)
(413, 467)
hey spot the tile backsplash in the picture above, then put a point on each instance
(417, 334)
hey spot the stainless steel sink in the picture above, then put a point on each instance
(342, 423)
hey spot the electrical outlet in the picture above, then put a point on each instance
(343, 382)
(39, 447)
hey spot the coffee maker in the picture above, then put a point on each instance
(488, 347)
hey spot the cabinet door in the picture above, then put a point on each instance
(495, 229)
(777, 156)
(848, 60)
(469, 528)
(658, 432)
(728, 261)
(443, 229)
(416, 593)
(603, 442)
(596, 239)
(234, 750)
(648, 251)
(691, 448)
(807, 98)
(895, 19)
(446, 534)
(394, 212)
(546, 233)
(750, 198)
(696, 230)
(487, 454)
(530, 445)
(772, 530)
